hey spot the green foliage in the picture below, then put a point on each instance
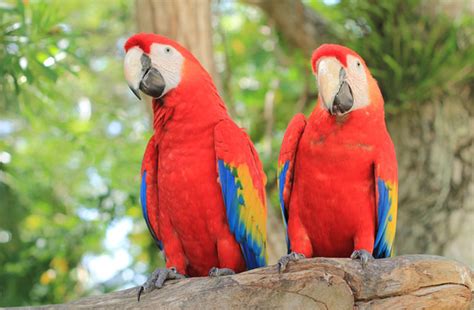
(71, 141)
(32, 46)
(416, 55)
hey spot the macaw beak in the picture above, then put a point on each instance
(141, 75)
(334, 89)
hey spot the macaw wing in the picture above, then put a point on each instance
(149, 190)
(386, 193)
(286, 165)
(243, 189)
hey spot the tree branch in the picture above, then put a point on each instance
(415, 281)
(299, 24)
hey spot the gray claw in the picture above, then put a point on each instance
(363, 255)
(218, 272)
(284, 260)
(158, 278)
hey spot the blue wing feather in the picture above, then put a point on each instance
(143, 201)
(284, 212)
(234, 203)
(383, 242)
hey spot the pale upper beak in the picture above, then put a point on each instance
(334, 89)
(142, 75)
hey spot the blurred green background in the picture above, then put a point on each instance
(72, 135)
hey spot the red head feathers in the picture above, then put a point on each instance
(333, 50)
(145, 40)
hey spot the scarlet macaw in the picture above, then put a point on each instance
(203, 187)
(338, 169)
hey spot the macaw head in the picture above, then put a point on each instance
(156, 65)
(344, 81)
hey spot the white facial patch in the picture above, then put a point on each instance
(357, 80)
(169, 62)
(133, 67)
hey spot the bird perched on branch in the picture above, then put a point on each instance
(203, 187)
(337, 169)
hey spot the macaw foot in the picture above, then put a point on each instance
(158, 278)
(363, 255)
(284, 260)
(218, 272)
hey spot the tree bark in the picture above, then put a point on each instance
(299, 24)
(186, 21)
(406, 282)
(435, 151)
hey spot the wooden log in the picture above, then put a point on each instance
(404, 282)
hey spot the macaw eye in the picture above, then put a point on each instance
(358, 66)
(167, 50)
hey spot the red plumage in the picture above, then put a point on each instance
(184, 200)
(333, 163)
(332, 50)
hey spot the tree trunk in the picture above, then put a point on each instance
(406, 282)
(301, 25)
(186, 21)
(435, 152)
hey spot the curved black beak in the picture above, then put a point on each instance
(152, 82)
(344, 100)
